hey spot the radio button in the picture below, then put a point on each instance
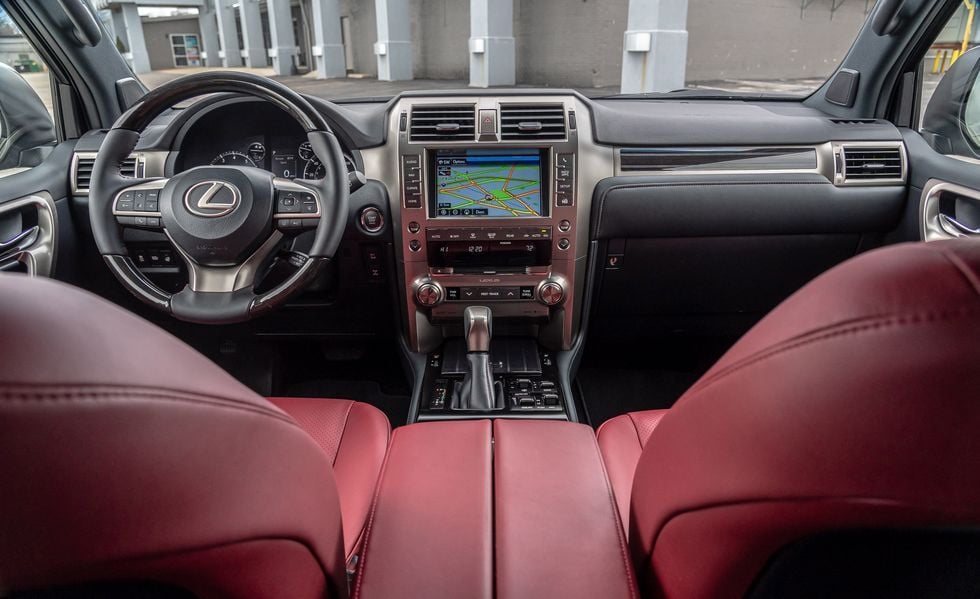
(565, 226)
(414, 227)
(415, 245)
(563, 244)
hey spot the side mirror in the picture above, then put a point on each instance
(25, 125)
(951, 123)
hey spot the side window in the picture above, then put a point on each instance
(26, 127)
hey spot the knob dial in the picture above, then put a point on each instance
(428, 294)
(551, 293)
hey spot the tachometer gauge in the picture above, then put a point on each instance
(256, 152)
(232, 158)
(306, 151)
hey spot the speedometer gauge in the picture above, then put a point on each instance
(313, 169)
(232, 158)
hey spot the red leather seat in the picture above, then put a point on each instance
(853, 405)
(126, 455)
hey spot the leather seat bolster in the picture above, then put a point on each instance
(621, 441)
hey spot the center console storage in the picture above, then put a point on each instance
(506, 509)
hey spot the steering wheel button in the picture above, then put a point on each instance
(139, 205)
(310, 223)
(309, 208)
(139, 221)
(124, 205)
(152, 221)
(152, 205)
(126, 220)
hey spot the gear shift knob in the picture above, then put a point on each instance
(477, 322)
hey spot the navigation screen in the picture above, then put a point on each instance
(488, 183)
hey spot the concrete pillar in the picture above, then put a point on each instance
(394, 45)
(119, 29)
(207, 22)
(254, 43)
(492, 43)
(281, 36)
(140, 58)
(328, 43)
(654, 46)
(230, 55)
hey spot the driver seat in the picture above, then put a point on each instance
(133, 466)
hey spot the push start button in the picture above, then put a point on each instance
(372, 220)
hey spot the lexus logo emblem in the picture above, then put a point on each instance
(212, 199)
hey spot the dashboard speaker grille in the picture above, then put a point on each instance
(869, 163)
(83, 171)
(532, 121)
(443, 123)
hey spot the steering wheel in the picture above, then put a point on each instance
(224, 221)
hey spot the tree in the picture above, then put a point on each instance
(7, 26)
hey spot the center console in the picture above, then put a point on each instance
(491, 197)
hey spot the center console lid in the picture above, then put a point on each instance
(512, 508)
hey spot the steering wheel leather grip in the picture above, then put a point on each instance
(224, 249)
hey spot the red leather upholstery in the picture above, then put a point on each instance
(355, 437)
(853, 404)
(621, 441)
(556, 527)
(430, 533)
(126, 454)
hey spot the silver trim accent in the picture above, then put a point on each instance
(204, 202)
(931, 226)
(840, 165)
(38, 255)
(140, 157)
(477, 321)
(224, 279)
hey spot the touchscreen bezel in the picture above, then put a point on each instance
(433, 200)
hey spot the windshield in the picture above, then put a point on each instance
(378, 48)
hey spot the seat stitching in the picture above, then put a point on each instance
(774, 351)
(13, 395)
(630, 581)
(343, 432)
(636, 431)
(370, 523)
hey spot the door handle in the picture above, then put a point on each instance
(955, 227)
(19, 243)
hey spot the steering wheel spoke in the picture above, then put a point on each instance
(298, 208)
(228, 279)
(138, 205)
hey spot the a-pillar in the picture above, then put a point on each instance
(491, 43)
(230, 54)
(137, 43)
(654, 46)
(328, 42)
(394, 45)
(281, 37)
(254, 44)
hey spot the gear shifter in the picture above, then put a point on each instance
(478, 391)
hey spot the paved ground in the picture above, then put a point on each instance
(361, 87)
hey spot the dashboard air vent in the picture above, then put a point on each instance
(853, 121)
(532, 121)
(866, 163)
(83, 170)
(443, 123)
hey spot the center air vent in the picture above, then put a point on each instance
(532, 121)
(83, 171)
(858, 164)
(443, 123)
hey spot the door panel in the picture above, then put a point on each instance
(943, 190)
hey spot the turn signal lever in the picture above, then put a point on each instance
(478, 391)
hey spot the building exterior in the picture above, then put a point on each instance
(582, 43)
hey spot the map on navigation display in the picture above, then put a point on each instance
(488, 183)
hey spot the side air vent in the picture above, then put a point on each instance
(82, 171)
(869, 164)
(532, 122)
(442, 123)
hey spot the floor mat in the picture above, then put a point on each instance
(395, 407)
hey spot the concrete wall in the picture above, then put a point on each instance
(443, 26)
(780, 44)
(364, 32)
(569, 43)
(156, 32)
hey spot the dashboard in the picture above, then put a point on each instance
(254, 134)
